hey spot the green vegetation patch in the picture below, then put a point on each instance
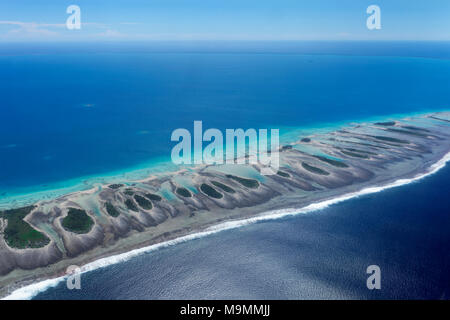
(183, 192)
(224, 187)
(249, 183)
(18, 233)
(131, 205)
(77, 221)
(210, 191)
(152, 196)
(115, 186)
(315, 170)
(143, 202)
(335, 163)
(112, 211)
(283, 174)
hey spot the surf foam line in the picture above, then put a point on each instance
(29, 291)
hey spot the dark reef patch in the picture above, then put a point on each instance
(183, 192)
(361, 151)
(335, 163)
(315, 170)
(386, 124)
(152, 196)
(224, 187)
(390, 139)
(115, 186)
(355, 155)
(412, 133)
(18, 233)
(286, 147)
(415, 128)
(131, 205)
(436, 118)
(283, 174)
(210, 191)
(143, 202)
(112, 211)
(249, 183)
(371, 145)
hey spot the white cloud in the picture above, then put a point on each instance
(109, 33)
(28, 29)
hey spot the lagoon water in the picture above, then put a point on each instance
(68, 119)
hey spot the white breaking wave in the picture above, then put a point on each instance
(32, 290)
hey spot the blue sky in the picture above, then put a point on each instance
(119, 20)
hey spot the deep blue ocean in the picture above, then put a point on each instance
(69, 111)
(76, 112)
(319, 255)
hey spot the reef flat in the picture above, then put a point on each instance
(42, 240)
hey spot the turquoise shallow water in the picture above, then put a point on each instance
(70, 121)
